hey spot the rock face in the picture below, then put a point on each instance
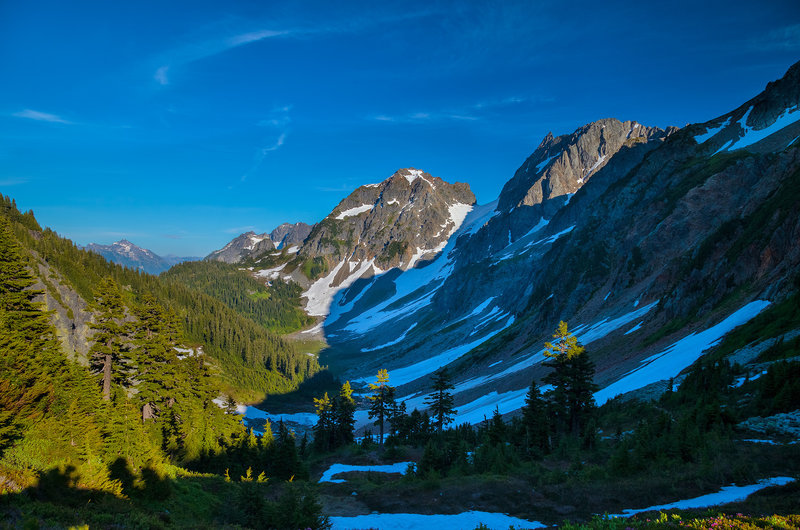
(242, 246)
(561, 165)
(396, 223)
(252, 245)
(288, 234)
(129, 255)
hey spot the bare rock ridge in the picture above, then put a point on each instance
(561, 165)
(395, 223)
(251, 244)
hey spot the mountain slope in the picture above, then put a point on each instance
(125, 253)
(671, 234)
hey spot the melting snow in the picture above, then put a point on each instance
(752, 136)
(321, 293)
(293, 249)
(726, 495)
(541, 165)
(354, 211)
(415, 521)
(393, 201)
(711, 131)
(391, 343)
(671, 361)
(413, 175)
(637, 327)
(271, 274)
(335, 469)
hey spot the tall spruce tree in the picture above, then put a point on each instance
(344, 416)
(572, 377)
(535, 422)
(381, 400)
(440, 402)
(110, 352)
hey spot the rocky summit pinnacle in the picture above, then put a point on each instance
(404, 219)
(562, 164)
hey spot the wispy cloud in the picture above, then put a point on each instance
(474, 112)
(781, 39)
(13, 181)
(279, 119)
(337, 189)
(161, 75)
(239, 229)
(40, 116)
(195, 51)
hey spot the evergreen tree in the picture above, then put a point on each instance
(109, 353)
(324, 428)
(344, 416)
(572, 377)
(381, 400)
(535, 422)
(440, 402)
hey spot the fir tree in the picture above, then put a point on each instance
(535, 422)
(381, 400)
(572, 377)
(344, 416)
(440, 402)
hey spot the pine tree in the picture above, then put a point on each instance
(380, 400)
(440, 401)
(109, 353)
(572, 377)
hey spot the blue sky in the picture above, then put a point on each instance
(179, 125)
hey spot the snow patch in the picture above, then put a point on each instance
(271, 274)
(541, 165)
(391, 343)
(321, 293)
(416, 521)
(711, 131)
(354, 211)
(726, 495)
(751, 136)
(335, 469)
(637, 327)
(671, 361)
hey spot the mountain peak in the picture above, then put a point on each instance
(562, 164)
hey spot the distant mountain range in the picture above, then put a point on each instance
(125, 253)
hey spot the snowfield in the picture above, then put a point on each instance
(726, 495)
(416, 521)
(335, 469)
(680, 355)
(354, 211)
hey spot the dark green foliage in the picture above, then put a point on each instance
(535, 424)
(276, 307)
(252, 358)
(440, 402)
(392, 250)
(314, 268)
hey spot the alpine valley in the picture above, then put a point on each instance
(617, 332)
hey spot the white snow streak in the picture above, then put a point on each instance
(726, 495)
(711, 131)
(415, 521)
(335, 469)
(391, 343)
(354, 211)
(671, 361)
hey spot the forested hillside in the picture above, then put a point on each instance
(254, 360)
